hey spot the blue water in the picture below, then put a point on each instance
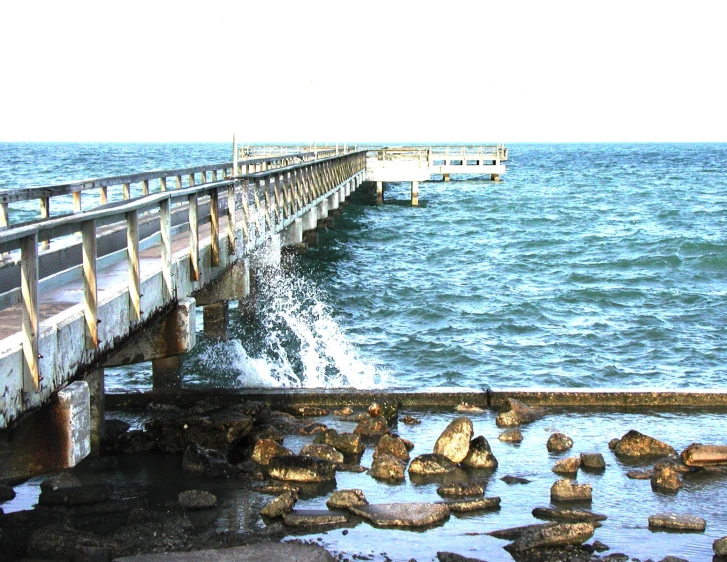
(589, 265)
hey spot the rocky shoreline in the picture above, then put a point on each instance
(246, 443)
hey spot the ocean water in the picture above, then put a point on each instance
(589, 265)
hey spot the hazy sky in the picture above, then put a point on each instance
(364, 70)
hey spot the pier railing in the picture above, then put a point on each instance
(430, 154)
(254, 204)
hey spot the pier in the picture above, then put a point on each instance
(117, 280)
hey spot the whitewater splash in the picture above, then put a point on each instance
(296, 341)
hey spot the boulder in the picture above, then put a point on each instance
(62, 480)
(675, 464)
(431, 464)
(476, 504)
(479, 454)
(677, 522)
(343, 499)
(372, 426)
(197, 499)
(403, 514)
(454, 442)
(555, 535)
(411, 420)
(312, 428)
(511, 436)
(388, 467)
(567, 514)
(568, 465)
(518, 413)
(346, 443)
(279, 505)
(296, 468)
(392, 445)
(640, 474)
(593, 461)
(461, 489)
(559, 442)
(314, 518)
(635, 444)
(666, 480)
(322, 452)
(564, 490)
(720, 546)
(206, 462)
(389, 409)
(265, 431)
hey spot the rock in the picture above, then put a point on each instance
(276, 488)
(567, 466)
(452, 557)
(673, 559)
(374, 410)
(616, 557)
(464, 407)
(266, 550)
(556, 535)
(312, 428)
(346, 443)
(431, 464)
(567, 514)
(115, 429)
(666, 480)
(197, 499)
(454, 442)
(676, 465)
(61, 542)
(280, 505)
(720, 546)
(77, 495)
(477, 504)
(640, 474)
(392, 445)
(372, 426)
(408, 444)
(403, 514)
(265, 431)
(461, 489)
(518, 414)
(207, 462)
(322, 452)
(559, 442)
(701, 455)
(314, 517)
(479, 454)
(635, 444)
(564, 490)
(389, 409)
(134, 441)
(592, 461)
(598, 546)
(613, 442)
(301, 469)
(516, 532)
(677, 522)
(515, 480)
(202, 407)
(345, 411)
(308, 411)
(343, 499)
(62, 480)
(511, 436)
(388, 467)
(411, 420)
(6, 493)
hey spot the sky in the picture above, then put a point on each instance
(363, 71)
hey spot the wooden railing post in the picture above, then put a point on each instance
(231, 218)
(132, 252)
(215, 226)
(3, 216)
(77, 202)
(44, 214)
(127, 191)
(145, 187)
(165, 229)
(193, 238)
(90, 288)
(29, 294)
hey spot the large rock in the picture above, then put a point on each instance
(564, 490)
(518, 414)
(403, 514)
(388, 467)
(296, 468)
(593, 461)
(559, 442)
(512, 533)
(322, 452)
(567, 514)
(479, 454)
(6, 493)
(720, 546)
(431, 464)
(635, 444)
(392, 445)
(568, 465)
(454, 442)
(511, 436)
(677, 522)
(666, 480)
(556, 535)
(371, 426)
(346, 443)
(343, 499)
(206, 462)
(279, 505)
(197, 499)
(62, 480)
(266, 449)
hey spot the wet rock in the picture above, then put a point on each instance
(61, 542)
(345, 411)
(408, 444)
(673, 559)
(477, 504)
(569, 465)
(616, 557)
(392, 445)
(308, 411)
(666, 480)
(479, 454)
(613, 442)
(403, 514)
(640, 474)
(567, 514)
(202, 407)
(197, 499)
(251, 469)
(314, 518)
(206, 462)
(103, 464)
(593, 461)
(322, 452)
(509, 479)
(564, 490)
(372, 426)
(280, 505)
(115, 429)
(461, 489)
(296, 468)
(374, 410)
(452, 557)
(701, 455)
(351, 467)
(635, 444)
(134, 441)
(598, 546)
(518, 414)
(511, 436)
(411, 420)
(454, 442)
(276, 488)
(720, 546)
(265, 431)
(465, 407)
(77, 495)
(346, 443)
(516, 532)
(388, 467)
(431, 464)
(559, 442)
(675, 464)
(677, 522)
(343, 499)
(389, 409)
(556, 535)
(6, 493)
(312, 428)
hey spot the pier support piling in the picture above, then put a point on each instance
(97, 390)
(445, 177)
(415, 194)
(167, 372)
(216, 321)
(379, 193)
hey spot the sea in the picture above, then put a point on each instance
(587, 266)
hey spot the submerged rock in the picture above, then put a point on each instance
(314, 518)
(296, 468)
(564, 490)
(403, 514)
(279, 505)
(343, 499)
(77, 495)
(567, 514)
(452, 557)
(197, 499)
(677, 522)
(635, 444)
(454, 442)
(411, 420)
(556, 535)
(559, 442)
(518, 414)
(479, 454)
(476, 504)
(461, 489)
(640, 474)
(511, 436)
(509, 479)
(322, 452)
(431, 464)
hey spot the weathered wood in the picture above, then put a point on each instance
(3, 215)
(162, 183)
(127, 190)
(29, 292)
(77, 202)
(103, 195)
(245, 196)
(145, 187)
(279, 211)
(193, 238)
(90, 288)
(215, 227)
(231, 218)
(703, 455)
(165, 226)
(132, 252)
